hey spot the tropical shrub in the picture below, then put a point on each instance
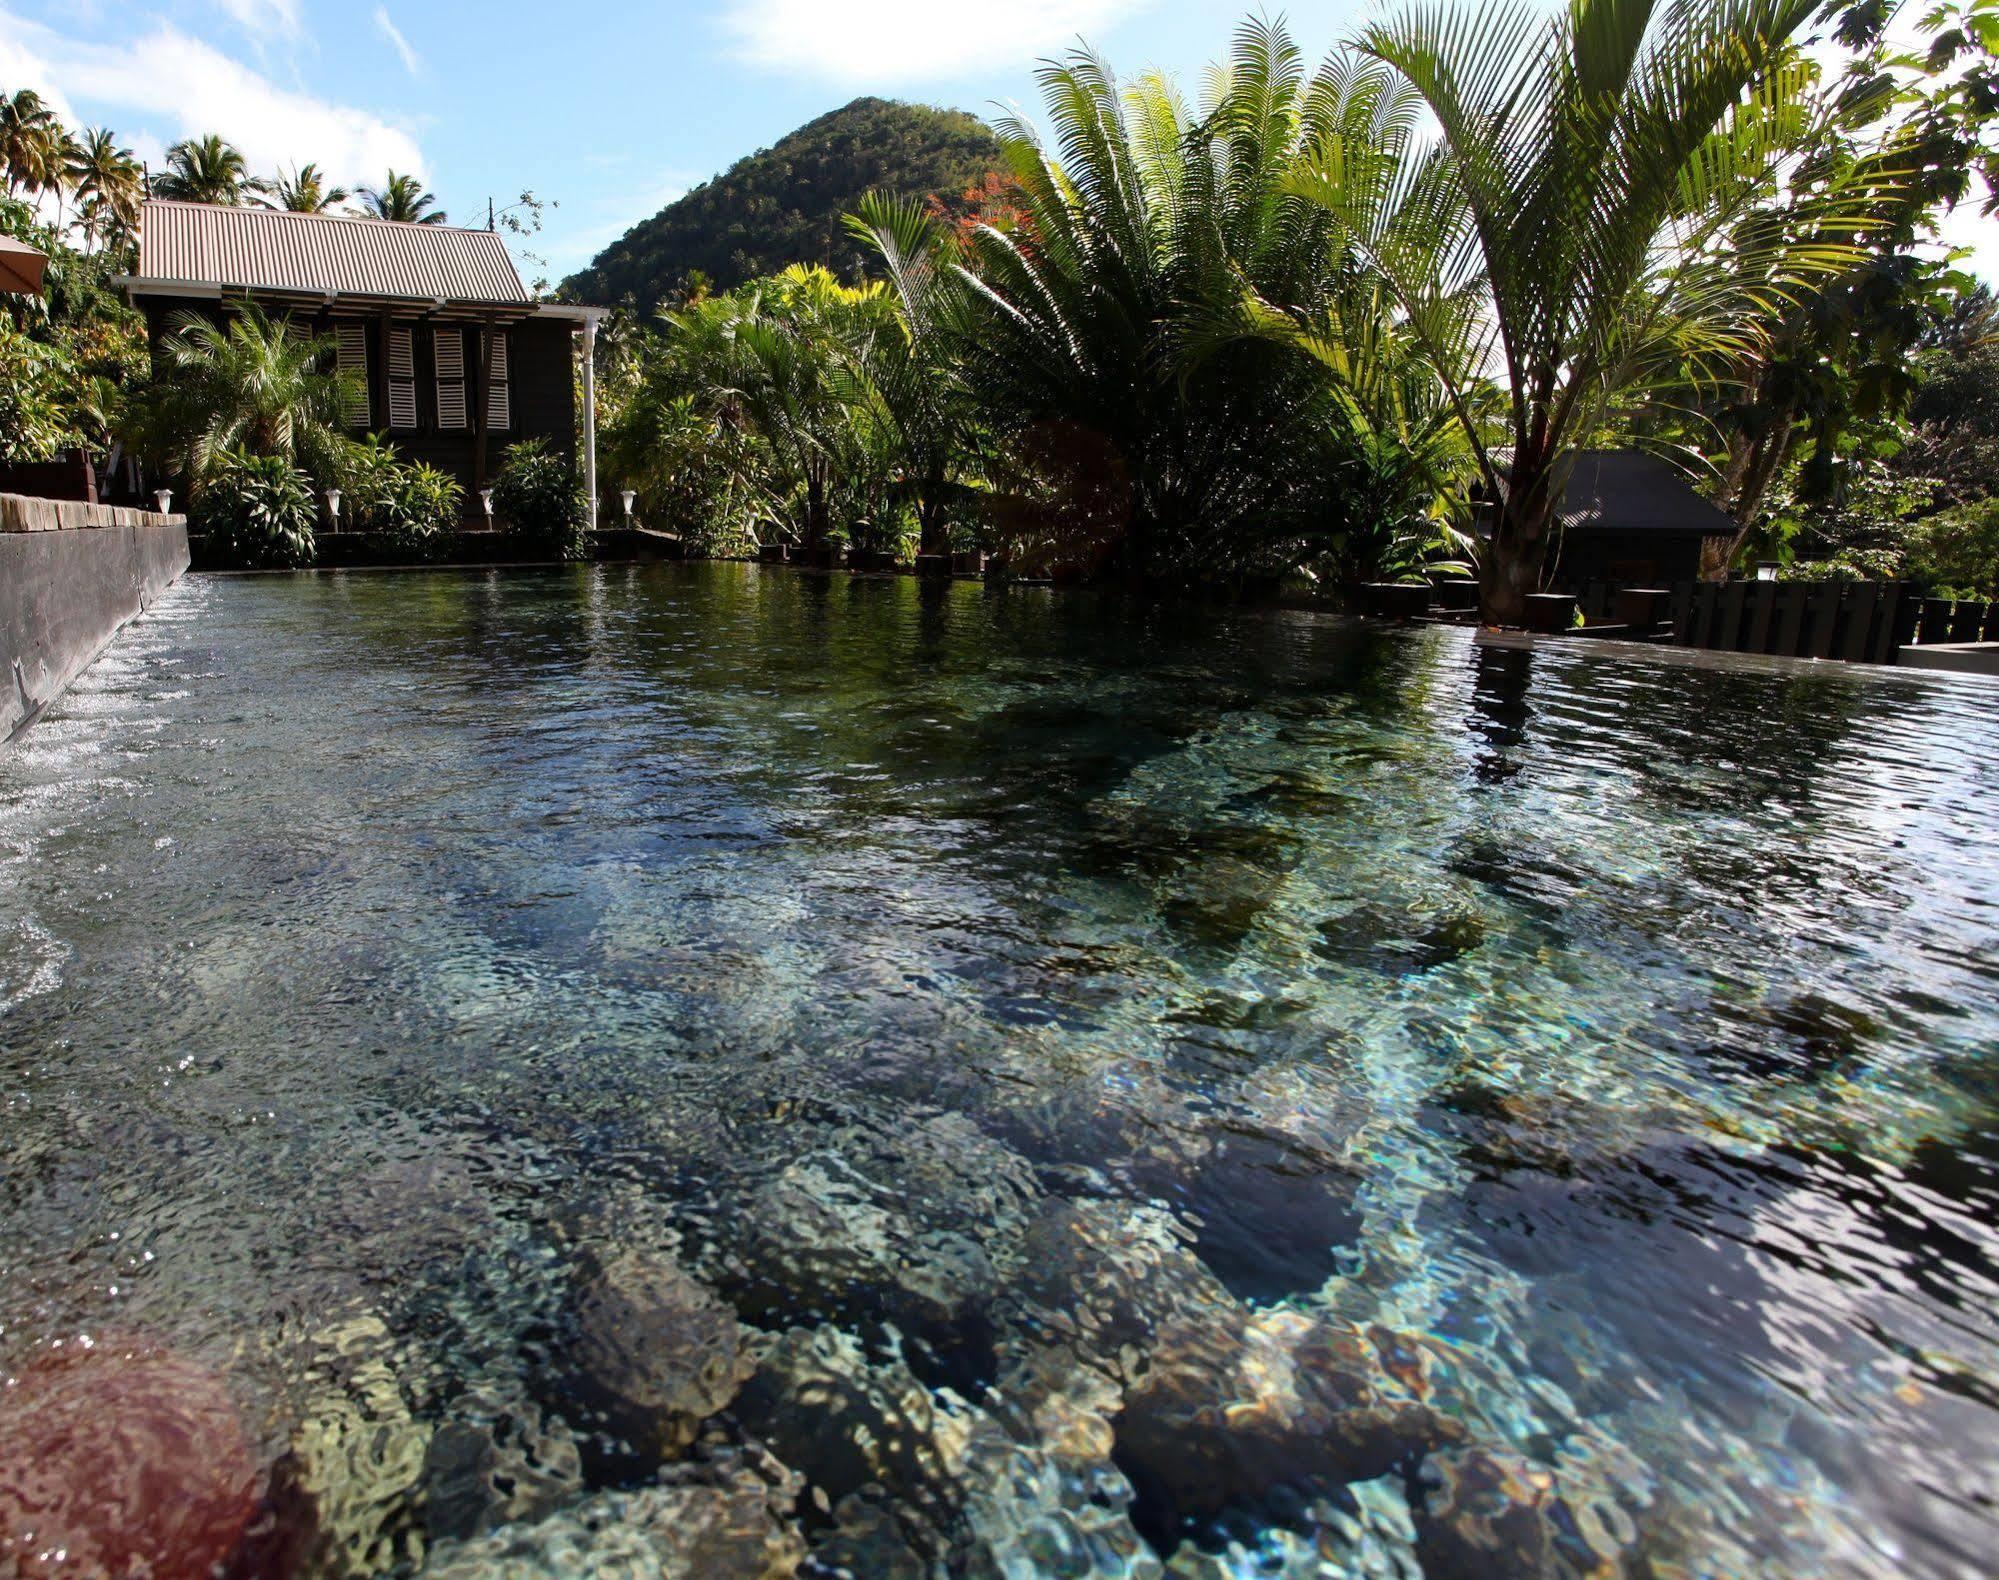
(37, 405)
(258, 510)
(539, 495)
(415, 506)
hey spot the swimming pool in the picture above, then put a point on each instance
(727, 1071)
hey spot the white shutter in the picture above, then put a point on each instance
(449, 348)
(402, 377)
(353, 341)
(499, 394)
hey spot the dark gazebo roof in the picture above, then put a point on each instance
(1630, 491)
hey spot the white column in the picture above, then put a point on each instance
(590, 415)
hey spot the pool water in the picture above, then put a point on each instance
(699, 1070)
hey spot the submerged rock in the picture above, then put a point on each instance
(732, 1523)
(120, 1458)
(1227, 1413)
(1487, 1514)
(656, 1351)
(497, 1461)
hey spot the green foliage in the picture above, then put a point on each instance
(258, 510)
(248, 386)
(204, 170)
(1955, 554)
(38, 419)
(788, 203)
(415, 506)
(539, 495)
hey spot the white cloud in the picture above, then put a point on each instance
(412, 62)
(264, 17)
(880, 41)
(164, 84)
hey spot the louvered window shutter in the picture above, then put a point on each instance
(402, 377)
(449, 347)
(499, 393)
(353, 342)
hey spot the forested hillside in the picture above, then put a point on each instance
(784, 205)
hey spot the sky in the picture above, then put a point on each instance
(607, 108)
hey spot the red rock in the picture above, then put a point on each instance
(119, 1458)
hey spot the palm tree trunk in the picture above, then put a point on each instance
(1516, 559)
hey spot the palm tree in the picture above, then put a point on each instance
(204, 170)
(250, 386)
(303, 191)
(108, 183)
(912, 379)
(1139, 223)
(31, 144)
(403, 198)
(1574, 224)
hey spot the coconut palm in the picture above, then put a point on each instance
(302, 190)
(33, 145)
(250, 386)
(403, 198)
(204, 170)
(1139, 220)
(108, 184)
(1574, 224)
(912, 380)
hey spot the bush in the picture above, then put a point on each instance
(258, 510)
(416, 507)
(540, 496)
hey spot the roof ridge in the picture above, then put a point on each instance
(258, 211)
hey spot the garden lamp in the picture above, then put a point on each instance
(333, 506)
(163, 501)
(1766, 570)
(628, 496)
(486, 504)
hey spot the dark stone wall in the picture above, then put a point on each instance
(64, 594)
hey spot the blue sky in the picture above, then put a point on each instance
(610, 108)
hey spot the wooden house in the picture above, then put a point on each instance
(455, 358)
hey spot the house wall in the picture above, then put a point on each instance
(71, 575)
(541, 363)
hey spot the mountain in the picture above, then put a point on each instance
(784, 205)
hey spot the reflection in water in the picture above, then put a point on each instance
(714, 1071)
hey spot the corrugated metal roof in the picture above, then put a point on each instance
(276, 251)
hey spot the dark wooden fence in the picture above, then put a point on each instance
(1866, 622)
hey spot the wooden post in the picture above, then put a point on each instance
(1935, 624)
(1683, 614)
(380, 402)
(1728, 617)
(1887, 620)
(1965, 620)
(1990, 631)
(485, 387)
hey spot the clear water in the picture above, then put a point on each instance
(1103, 1038)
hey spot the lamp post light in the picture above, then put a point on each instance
(628, 496)
(333, 507)
(1766, 570)
(163, 501)
(486, 504)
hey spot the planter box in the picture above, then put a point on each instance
(1457, 596)
(931, 566)
(820, 559)
(1550, 614)
(971, 562)
(770, 553)
(870, 561)
(1396, 600)
(1643, 610)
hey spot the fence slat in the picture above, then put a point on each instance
(1935, 624)
(1881, 645)
(1683, 614)
(1989, 632)
(1823, 624)
(1762, 614)
(1728, 617)
(1859, 621)
(1792, 600)
(1965, 620)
